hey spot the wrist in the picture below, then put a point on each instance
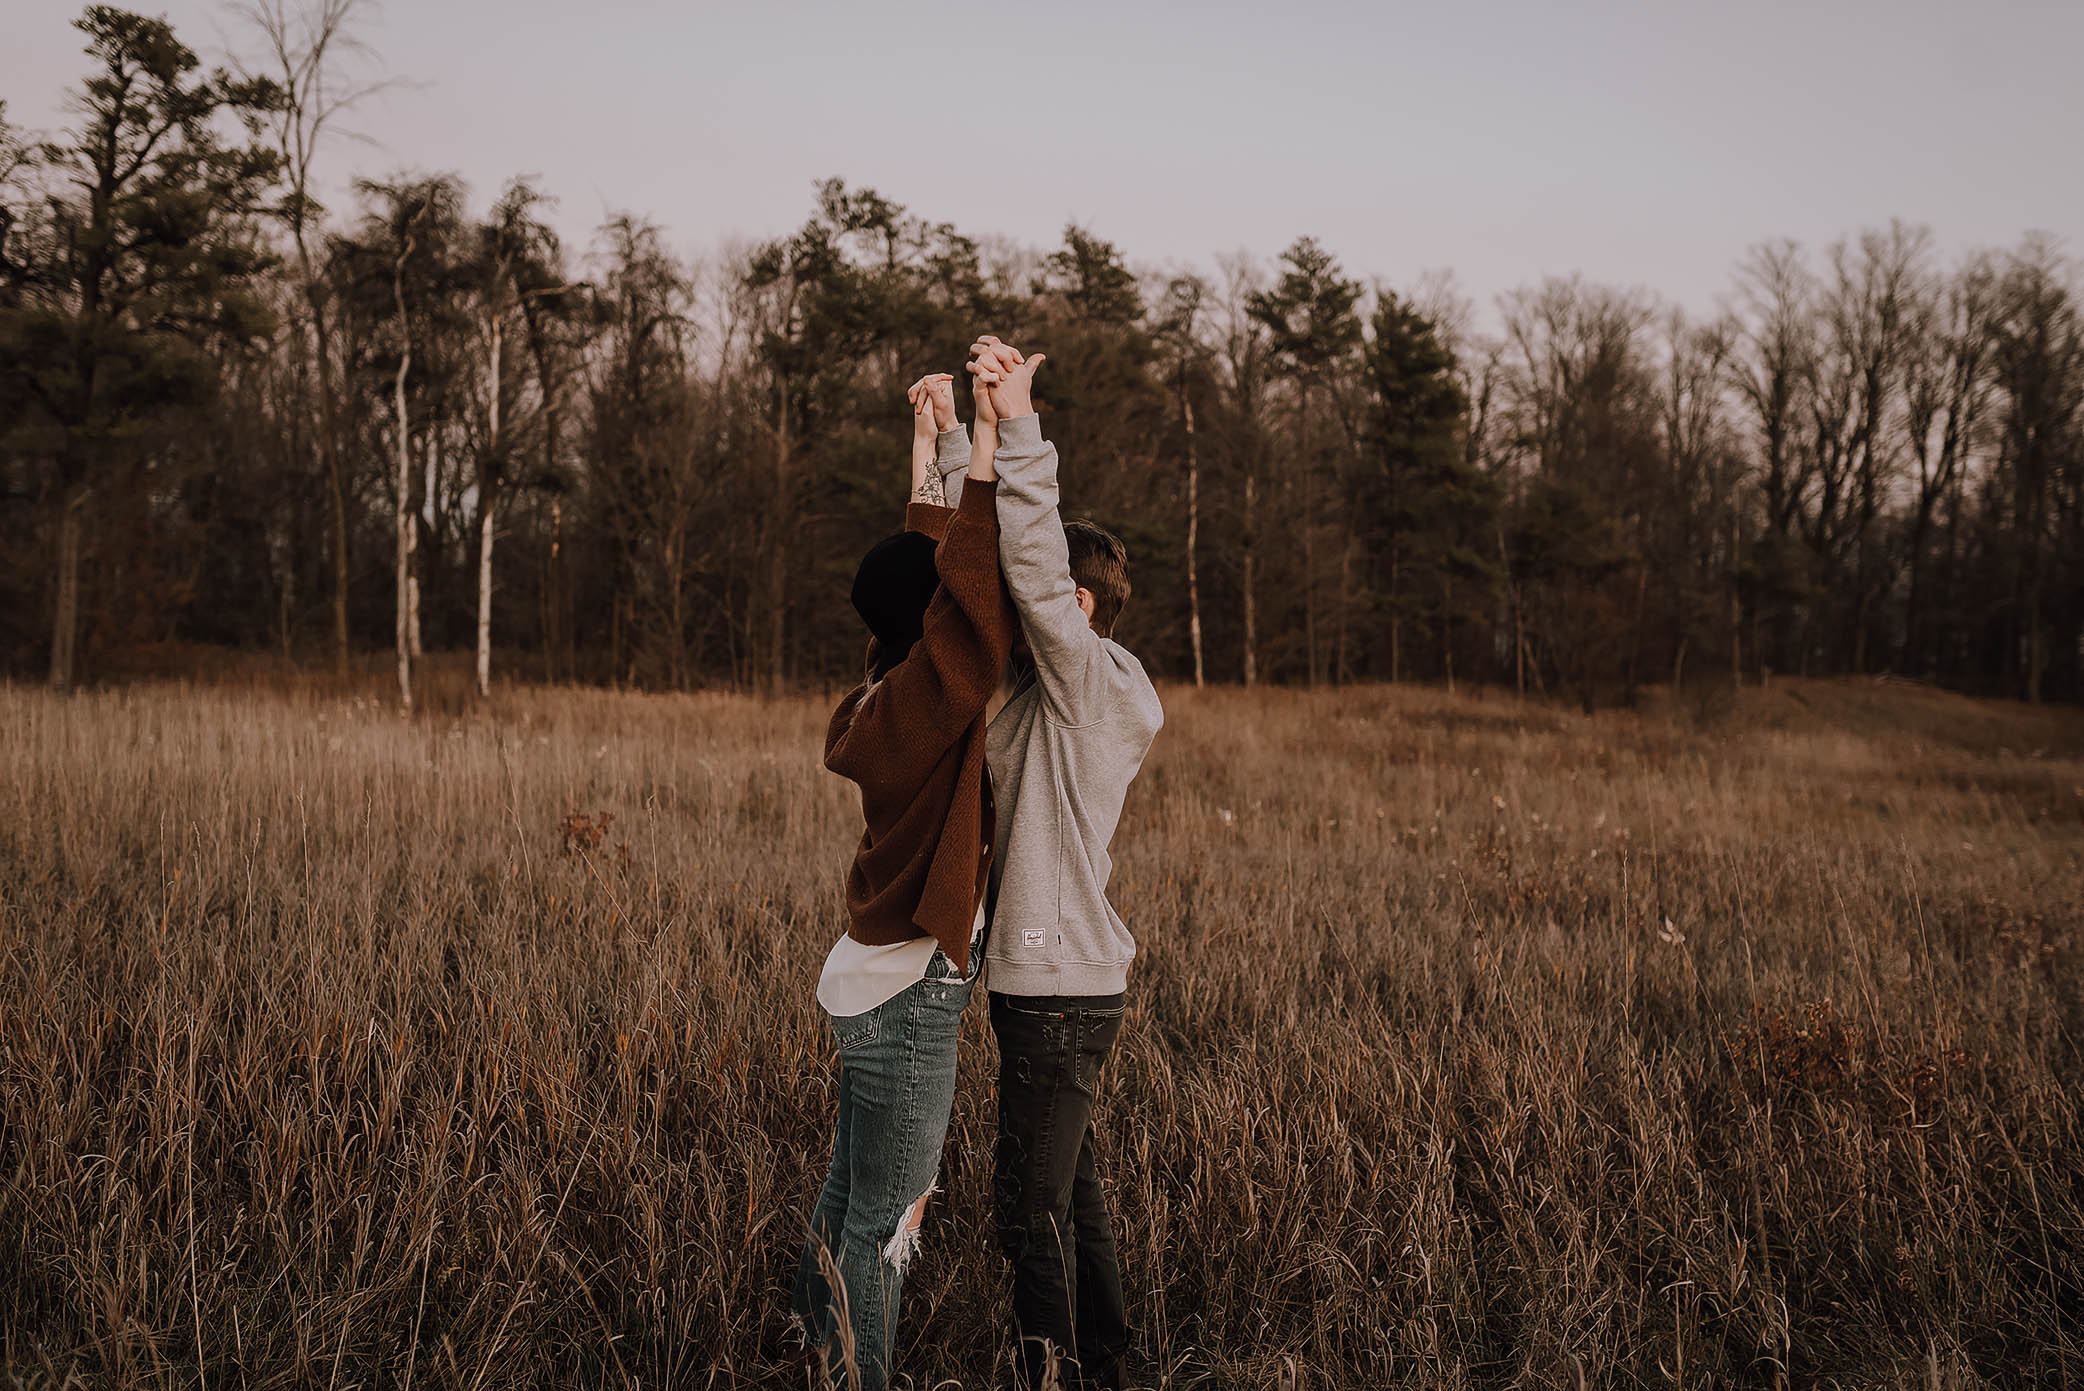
(982, 463)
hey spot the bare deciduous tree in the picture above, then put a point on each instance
(1245, 357)
(1947, 388)
(306, 47)
(1180, 328)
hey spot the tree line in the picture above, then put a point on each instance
(229, 415)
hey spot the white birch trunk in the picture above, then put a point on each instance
(405, 539)
(412, 608)
(486, 485)
(408, 595)
(485, 600)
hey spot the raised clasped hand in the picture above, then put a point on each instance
(1002, 378)
(932, 398)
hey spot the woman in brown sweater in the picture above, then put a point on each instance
(911, 737)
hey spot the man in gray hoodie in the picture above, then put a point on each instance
(1062, 752)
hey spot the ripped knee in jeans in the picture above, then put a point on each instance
(904, 1242)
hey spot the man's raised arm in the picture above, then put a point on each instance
(1074, 672)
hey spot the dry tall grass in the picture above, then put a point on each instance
(1473, 1044)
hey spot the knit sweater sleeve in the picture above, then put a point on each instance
(928, 519)
(894, 734)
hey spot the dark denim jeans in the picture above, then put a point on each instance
(896, 1088)
(1052, 1213)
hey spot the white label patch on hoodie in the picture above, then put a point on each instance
(1031, 937)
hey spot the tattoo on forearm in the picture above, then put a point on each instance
(929, 489)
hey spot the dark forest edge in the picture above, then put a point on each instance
(230, 417)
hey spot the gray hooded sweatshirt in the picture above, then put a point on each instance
(1062, 751)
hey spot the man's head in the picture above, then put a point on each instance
(1100, 569)
(892, 588)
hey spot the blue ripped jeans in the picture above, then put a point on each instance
(896, 1089)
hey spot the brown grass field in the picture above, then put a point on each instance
(1735, 1042)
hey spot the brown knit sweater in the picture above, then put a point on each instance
(914, 743)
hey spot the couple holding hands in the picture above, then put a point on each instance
(986, 844)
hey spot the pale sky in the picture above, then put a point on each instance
(1642, 144)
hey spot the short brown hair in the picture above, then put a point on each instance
(1099, 563)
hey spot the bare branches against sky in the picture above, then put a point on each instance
(1633, 142)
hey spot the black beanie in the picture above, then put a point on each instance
(892, 588)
